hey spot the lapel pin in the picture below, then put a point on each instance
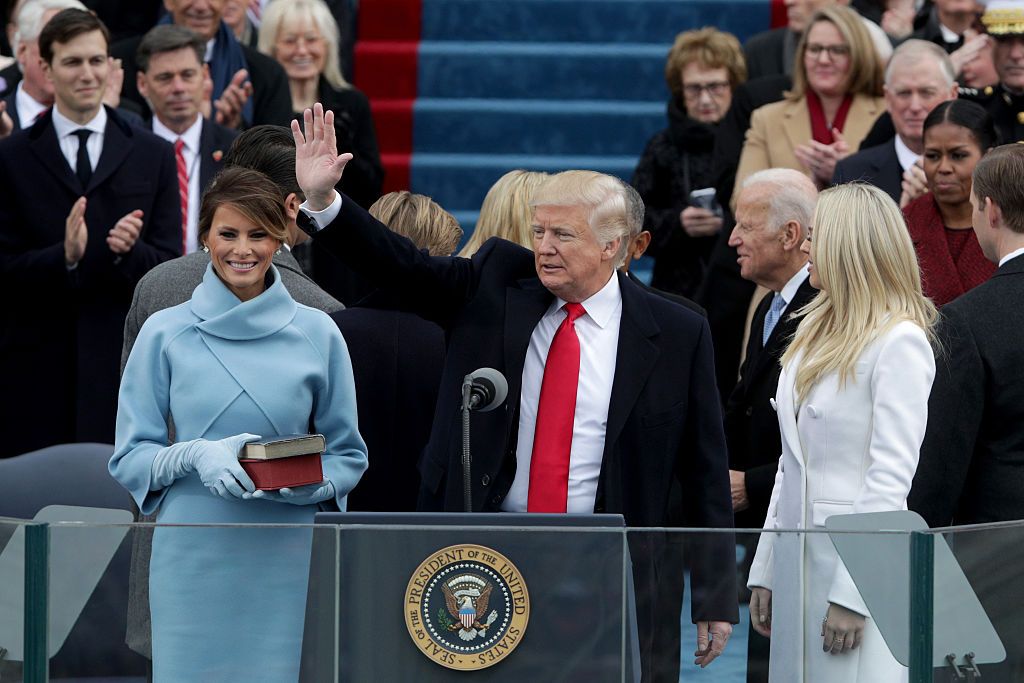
(218, 155)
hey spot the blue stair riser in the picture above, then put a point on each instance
(535, 127)
(590, 21)
(561, 71)
(459, 182)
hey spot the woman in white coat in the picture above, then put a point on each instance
(852, 403)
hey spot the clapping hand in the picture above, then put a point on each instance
(318, 166)
(914, 184)
(841, 630)
(974, 45)
(125, 233)
(76, 234)
(6, 122)
(115, 79)
(698, 222)
(232, 100)
(820, 159)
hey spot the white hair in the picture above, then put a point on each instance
(277, 12)
(792, 197)
(30, 19)
(914, 51)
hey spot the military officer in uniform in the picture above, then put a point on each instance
(1004, 21)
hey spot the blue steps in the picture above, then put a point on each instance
(546, 85)
(587, 21)
(533, 127)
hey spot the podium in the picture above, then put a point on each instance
(554, 592)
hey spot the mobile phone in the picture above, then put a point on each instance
(704, 198)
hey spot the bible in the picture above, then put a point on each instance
(280, 461)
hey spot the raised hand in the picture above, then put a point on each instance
(125, 233)
(233, 99)
(76, 234)
(914, 184)
(318, 166)
(115, 79)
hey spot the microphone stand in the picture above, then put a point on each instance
(467, 486)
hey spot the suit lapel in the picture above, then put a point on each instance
(525, 304)
(786, 409)
(861, 117)
(117, 144)
(796, 123)
(634, 359)
(43, 143)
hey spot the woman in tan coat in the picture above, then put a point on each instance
(836, 97)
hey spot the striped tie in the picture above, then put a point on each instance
(179, 158)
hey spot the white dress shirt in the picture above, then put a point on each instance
(906, 155)
(598, 332)
(191, 153)
(1012, 255)
(789, 290)
(28, 109)
(65, 129)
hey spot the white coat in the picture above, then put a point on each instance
(845, 450)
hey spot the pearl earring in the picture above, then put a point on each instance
(206, 249)
(278, 252)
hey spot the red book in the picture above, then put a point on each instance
(298, 470)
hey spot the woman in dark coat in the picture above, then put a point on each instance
(956, 135)
(702, 70)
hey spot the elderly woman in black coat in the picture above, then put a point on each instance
(702, 70)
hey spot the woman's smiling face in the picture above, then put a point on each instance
(241, 251)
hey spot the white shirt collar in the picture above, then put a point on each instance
(28, 107)
(64, 126)
(906, 155)
(190, 136)
(789, 291)
(1012, 255)
(209, 49)
(948, 35)
(601, 306)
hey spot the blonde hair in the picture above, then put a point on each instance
(506, 211)
(419, 218)
(607, 202)
(870, 281)
(865, 75)
(318, 14)
(708, 47)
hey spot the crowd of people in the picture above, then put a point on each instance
(191, 219)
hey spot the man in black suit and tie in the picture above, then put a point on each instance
(170, 77)
(918, 78)
(621, 379)
(773, 211)
(972, 460)
(88, 204)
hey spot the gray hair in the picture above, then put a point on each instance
(914, 51)
(277, 12)
(30, 19)
(792, 198)
(634, 209)
(610, 204)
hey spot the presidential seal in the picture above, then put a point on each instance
(466, 607)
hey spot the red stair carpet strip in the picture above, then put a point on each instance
(779, 13)
(386, 69)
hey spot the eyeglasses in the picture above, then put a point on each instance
(834, 51)
(715, 89)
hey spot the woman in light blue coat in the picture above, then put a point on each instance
(239, 361)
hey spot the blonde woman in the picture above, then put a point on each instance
(303, 36)
(852, 403)
(836, 97)
(421, 219)
(506, 211)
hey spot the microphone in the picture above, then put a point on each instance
(487, 389)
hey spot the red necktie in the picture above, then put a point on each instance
(552, 438)
(179, 157)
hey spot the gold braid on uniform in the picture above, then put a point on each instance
(1000, 22)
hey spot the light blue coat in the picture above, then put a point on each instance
(228, 603)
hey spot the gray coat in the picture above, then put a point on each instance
(169, 284)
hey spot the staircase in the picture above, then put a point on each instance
(465, 90)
